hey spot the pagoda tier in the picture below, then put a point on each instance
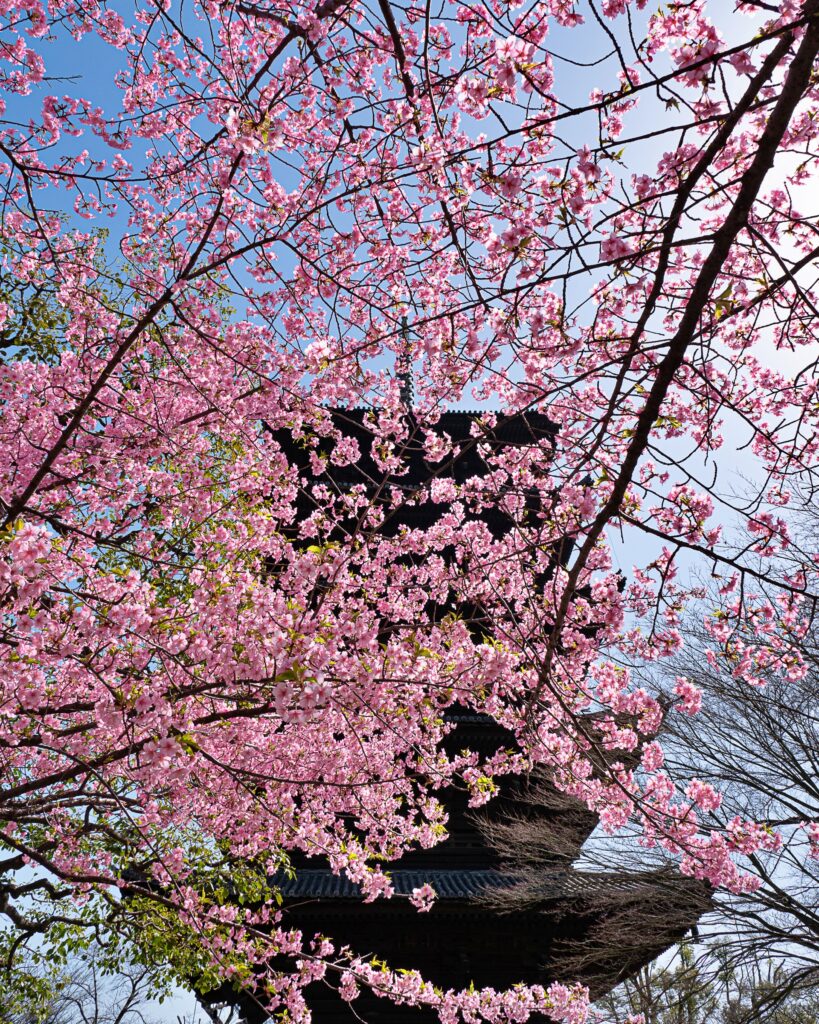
(571, 926)
(471, 444)
(520, 803)
(469, 441)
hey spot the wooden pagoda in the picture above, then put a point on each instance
(511, 906)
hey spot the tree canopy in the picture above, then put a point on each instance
(242, 221)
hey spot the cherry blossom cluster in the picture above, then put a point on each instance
(275, 210)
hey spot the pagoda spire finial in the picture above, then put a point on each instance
(404, 369)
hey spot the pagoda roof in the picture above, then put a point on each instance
(464, 462)
(466, 432)
(319, 883)
(595, 928)
(465, 884)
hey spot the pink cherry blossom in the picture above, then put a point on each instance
(246, 569)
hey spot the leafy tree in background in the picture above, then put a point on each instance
(79, 992)
(761, 751)
(301, 200)
(701, 988)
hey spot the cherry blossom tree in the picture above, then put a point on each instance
(271, 211)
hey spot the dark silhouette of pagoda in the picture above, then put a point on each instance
(510, 907)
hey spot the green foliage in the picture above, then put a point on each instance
(37, 319)
(36, 322)
(27, 990)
